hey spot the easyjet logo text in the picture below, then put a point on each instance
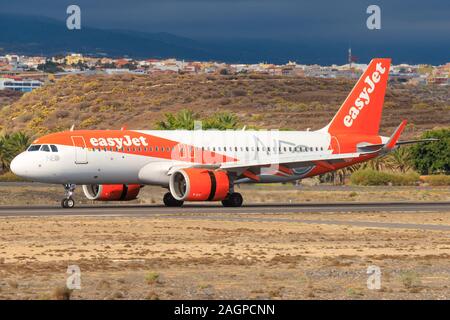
(125, 141)
(364, 97)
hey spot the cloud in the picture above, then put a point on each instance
(286, 20)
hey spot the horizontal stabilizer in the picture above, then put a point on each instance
(395, 136)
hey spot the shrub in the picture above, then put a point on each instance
(151, 277)
(239, 92)
(436, 180)
(420, 106)
(433, 157)
(62, 114)
(369, 177)
(25, 117)
(410, 279)
(62, 293)
(9, 177)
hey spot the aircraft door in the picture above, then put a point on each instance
(80, 150)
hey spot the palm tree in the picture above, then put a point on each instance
(222, 121)
(184, 119)
(400, 160)
(11, 145)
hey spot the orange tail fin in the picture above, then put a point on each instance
(361, 111)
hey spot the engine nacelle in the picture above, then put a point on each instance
(196, 184)
(111, 192)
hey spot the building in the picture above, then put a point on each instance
(33, 62)
(438, 80)
(19, 85)
(75, 58)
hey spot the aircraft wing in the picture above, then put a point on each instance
(284, 164)
(283, 161)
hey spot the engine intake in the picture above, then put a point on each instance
(196, 184)
(111, 192)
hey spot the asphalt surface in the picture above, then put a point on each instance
(219, 213)
(273, 208)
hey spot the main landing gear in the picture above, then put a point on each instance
(234, 200)
(170, 201)
(68, 201)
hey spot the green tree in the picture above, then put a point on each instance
(399, 160)
(185, 119)
(11, 145)
(50, 67)
(378, 164)
(222, 121)
(432, 157)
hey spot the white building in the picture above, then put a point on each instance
(19, 85)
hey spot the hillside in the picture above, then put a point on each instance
(259, 101)
(8, 97)
(36, 35)
(39, 35)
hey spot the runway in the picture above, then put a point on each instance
(248, 213)
(277, 208)
(217, 212)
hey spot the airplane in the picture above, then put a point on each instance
(206, 165)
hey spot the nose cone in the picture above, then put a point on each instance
(19, 166)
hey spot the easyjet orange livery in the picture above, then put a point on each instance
(113, 165)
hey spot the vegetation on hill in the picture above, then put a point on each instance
(141, 102)
(8, 97)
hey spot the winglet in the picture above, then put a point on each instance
(395, 136)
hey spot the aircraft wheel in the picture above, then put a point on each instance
(233, 200)
(67, 203)
(170, 201)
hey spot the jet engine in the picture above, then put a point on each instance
(196, 184)
(111, 192)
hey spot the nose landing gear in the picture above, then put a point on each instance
(68, 201)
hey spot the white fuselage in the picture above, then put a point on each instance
(109, 165)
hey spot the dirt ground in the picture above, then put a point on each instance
(179, 257)
(203, 256)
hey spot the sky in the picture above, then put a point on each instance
(412, 23)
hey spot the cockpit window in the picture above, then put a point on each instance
(34, 147)
(54, 148)
(45, 148)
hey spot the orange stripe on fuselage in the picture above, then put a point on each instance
(133, 142)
